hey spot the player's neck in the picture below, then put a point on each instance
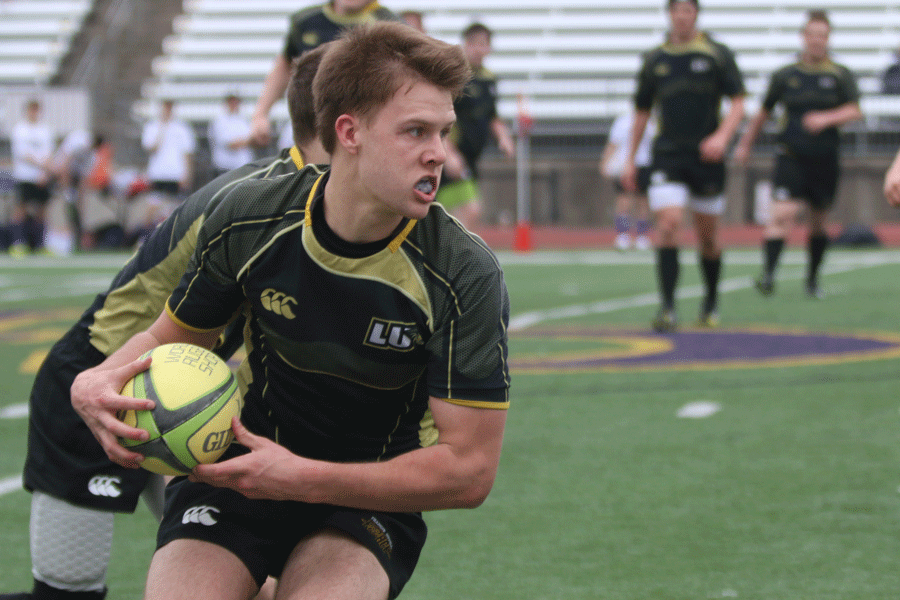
(684, 37)
(353, 214)
(812, 59)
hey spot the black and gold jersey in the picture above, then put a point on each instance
(801, 88)
(139, 291)
(348, 342)
(475, 109)
(686, 83)
(316, 25)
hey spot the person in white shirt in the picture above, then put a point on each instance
(170, 146)
(32, 153)
(629, 204)
(229, 138)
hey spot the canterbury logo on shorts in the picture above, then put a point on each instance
(202, 515)
(105, 485)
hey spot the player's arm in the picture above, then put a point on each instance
(892, 183)
(816, 121)
(714, 146)
(629, 171)
(95, 392)
(273, 88)
(457, 472)
(503, 137)
(745, 145)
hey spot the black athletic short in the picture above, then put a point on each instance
(64, 460)
(32, 193)
(810, 178)
(703, 179)
(262, 533)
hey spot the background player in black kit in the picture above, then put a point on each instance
(818, 95)
(685, 79)
(309, 28)
(76, 489)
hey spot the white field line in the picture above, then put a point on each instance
(836, 264)
(14, 411)
(10, 484)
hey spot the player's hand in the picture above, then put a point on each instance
(95, 397)
(268, 471)
(815, 121)
(260, 130)
(712, 148)
(629, 177)
(892, 188)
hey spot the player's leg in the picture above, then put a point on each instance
(622, 219)
(198, 570)
(667, 201)
(641, 211)
(821, 176)
(706, 223)
(331, 565)
(784, 211)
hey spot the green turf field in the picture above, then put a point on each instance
(735, 475)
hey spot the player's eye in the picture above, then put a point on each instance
(417, 131)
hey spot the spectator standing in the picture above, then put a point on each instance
(686, 78)
(32, 146)
(229, 138)
(631, 207)
(818, 95)
(309, 28)
(476, 122)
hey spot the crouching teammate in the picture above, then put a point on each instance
(380, 394)
(76, 488)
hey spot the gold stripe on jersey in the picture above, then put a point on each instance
(700, 43)
(364, 15)
(478, 404)
(297, 157)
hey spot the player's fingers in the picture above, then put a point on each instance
(243, 436)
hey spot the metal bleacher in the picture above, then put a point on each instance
(34, 36)
(574, 60)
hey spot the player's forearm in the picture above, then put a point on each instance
(427, 479)
(729, 125)
(274, 87)
(843, 114)
(753, 128)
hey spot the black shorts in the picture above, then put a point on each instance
(64, 460)
(703, 179)
(32, 193)
(263, 533)
(810, 178)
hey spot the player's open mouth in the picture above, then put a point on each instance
(427, 185)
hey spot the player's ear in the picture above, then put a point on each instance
(347, 129)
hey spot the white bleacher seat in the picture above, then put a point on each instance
(574, 59)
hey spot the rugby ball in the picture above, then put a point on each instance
(196, 395)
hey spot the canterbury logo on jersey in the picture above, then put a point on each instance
(202, 515)
(279, 303)
(105, 485)
(392, 335)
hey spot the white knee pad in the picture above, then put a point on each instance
(70, 545)
(667, 195)
(713, 206)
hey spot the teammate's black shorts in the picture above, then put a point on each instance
(32, 193)
(810, 178)
(64, 460)
(703, 179)
(262, 533)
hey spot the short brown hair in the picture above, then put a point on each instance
(363, 69)
(817, 15)
(300, 102)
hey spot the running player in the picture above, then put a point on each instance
(76, 489)
(818, 96)
(309, 28)
(381, 393)
(686, 78)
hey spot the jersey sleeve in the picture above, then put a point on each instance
(774, 91)
(469, 352)
(848, 81)
(209, 294)
(733, 81)
(646, 89)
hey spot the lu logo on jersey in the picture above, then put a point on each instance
(391, 335)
